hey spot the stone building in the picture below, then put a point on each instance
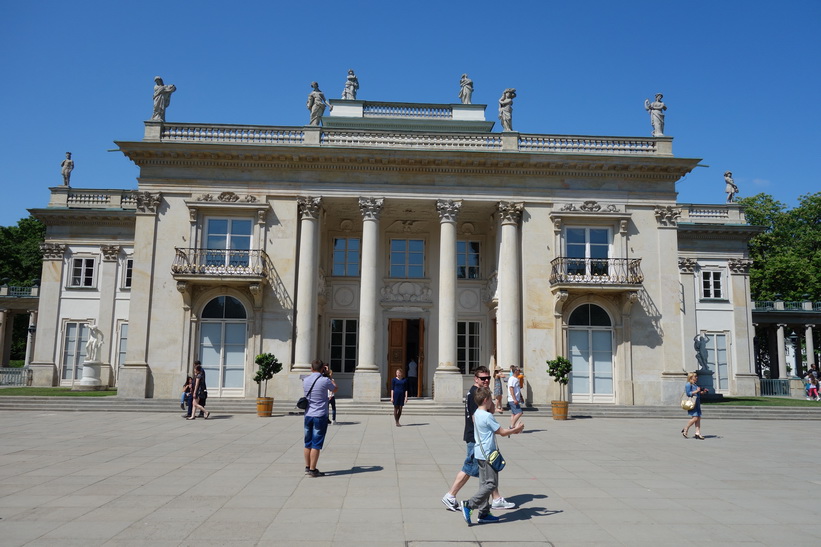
(395, 232)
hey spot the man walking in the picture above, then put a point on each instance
(470, 468)
(514, 396)
(316, 388)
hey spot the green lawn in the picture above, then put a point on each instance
(53, 392)
(764, 401)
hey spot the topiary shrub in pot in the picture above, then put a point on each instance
(560, 368)
(268, 366)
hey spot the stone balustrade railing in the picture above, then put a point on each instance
(782, 305)
(431, 140)
(730, 213)
(394, 110)
(65, 196)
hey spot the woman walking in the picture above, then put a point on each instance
(198, 391)
(498, 376)
(692, 390)
(399, 394)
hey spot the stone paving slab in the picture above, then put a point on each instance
(113, 479)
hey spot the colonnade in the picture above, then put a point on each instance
(367, 378)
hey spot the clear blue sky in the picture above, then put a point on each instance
(740, 78)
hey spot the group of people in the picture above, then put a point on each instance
(194, 393)
(811, 386)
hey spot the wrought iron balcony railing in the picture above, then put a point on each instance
(221, 262)
(596, 271)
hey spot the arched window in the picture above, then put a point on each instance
(223, 337)
(590, 339)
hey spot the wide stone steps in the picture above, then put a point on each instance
(415, 407)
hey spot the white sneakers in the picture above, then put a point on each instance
(502, 503)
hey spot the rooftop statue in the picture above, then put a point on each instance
(466, 91)
(162, 98)
(730, 187)
(656, 110)
(316, 104)
(351, 87)
(67, 166)
(506, 109)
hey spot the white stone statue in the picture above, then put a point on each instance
(162, 98)
(67, 166)
(351, 87)
(700, 345)
(506, 109)
(316, 104)
(730, 187)
(466, 91)
(656, 110)
(94, 345)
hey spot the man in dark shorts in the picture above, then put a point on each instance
(316, 387)
(470, 468)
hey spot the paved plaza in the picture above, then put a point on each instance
(97, 478)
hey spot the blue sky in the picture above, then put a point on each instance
(740, 79)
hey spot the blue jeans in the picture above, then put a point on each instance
(471, 466)
(315, 428)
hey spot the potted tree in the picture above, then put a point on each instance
(559, 368)
(268, 366)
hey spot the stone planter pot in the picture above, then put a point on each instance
(559, 409)
(265, 406)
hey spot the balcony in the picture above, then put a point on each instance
(221, 264)
(605, 274)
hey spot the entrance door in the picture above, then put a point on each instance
(590, 339)
(406, 342)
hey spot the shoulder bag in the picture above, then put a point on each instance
(302, 403)
(688, 403)
(495, 459)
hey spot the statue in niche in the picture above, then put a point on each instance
(466, 91)
(316, 104)
(94, 344)
(656, 110)
(66, 167)
(162, 98)
(700, 345)
(351, 87)
(730, 187)
(506, 109)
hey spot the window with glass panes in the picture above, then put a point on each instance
(343, 345)
(128, 267)
(467, 259)
(467, 345)
(346, 256)
(407, 258)
(74, 350)
(587, 250)
(711, 284)
(82, 272)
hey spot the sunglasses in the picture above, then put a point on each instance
(484, 378)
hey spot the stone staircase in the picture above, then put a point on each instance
(415, 407)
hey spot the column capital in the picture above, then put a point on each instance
(52, 251)
(110, 252)
(371, 208)
(309, 207)
(510, 212)
(687, 265)
(148, 202)
(448, 209)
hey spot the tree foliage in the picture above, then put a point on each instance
(21, 260)
(788, 254)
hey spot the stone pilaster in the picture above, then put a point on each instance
(782, 358)
(510, 306)
(448, 381)
(367, 381)
(310, 209)
(31, 336)
(43, 365)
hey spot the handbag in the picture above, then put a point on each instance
(302, 403)
(495, 459)
(688, 403)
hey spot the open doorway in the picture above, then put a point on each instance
(405, 344)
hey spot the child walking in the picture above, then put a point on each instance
(485, 428)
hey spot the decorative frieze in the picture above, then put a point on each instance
(687, 265)
(371, 208)
(448, 209)
(52, 251)
(590, 206)
(110, 252)
(510, 212)
(309, 207)
(407, 291)
(148, 202)
(740, 265)
(667, 216)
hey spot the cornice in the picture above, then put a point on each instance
(71, 217)
(742, 232)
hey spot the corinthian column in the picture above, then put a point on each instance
(306, 297)
(367, 385)
(510, 306)
(448, 210)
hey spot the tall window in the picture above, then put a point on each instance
(467, 345)
(343, 345)
(407, 258)
(82, 272)
(590, 343)
(711, 284)
(467, 259)
(222, 345)
(587, 250)
(74, 350)
(121, 346)
(346, 256)
(128, 268)
(717, 360)
(228, 241)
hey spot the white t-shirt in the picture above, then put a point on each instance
(513, 382)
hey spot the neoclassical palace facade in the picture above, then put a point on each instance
(396, 232)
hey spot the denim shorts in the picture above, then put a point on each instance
(515, 408)
(471, 466)
(315, 428)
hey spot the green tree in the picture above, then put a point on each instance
(787, 254)
(21, 260)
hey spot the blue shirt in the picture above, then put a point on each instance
(318, 399)
(484, 427)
